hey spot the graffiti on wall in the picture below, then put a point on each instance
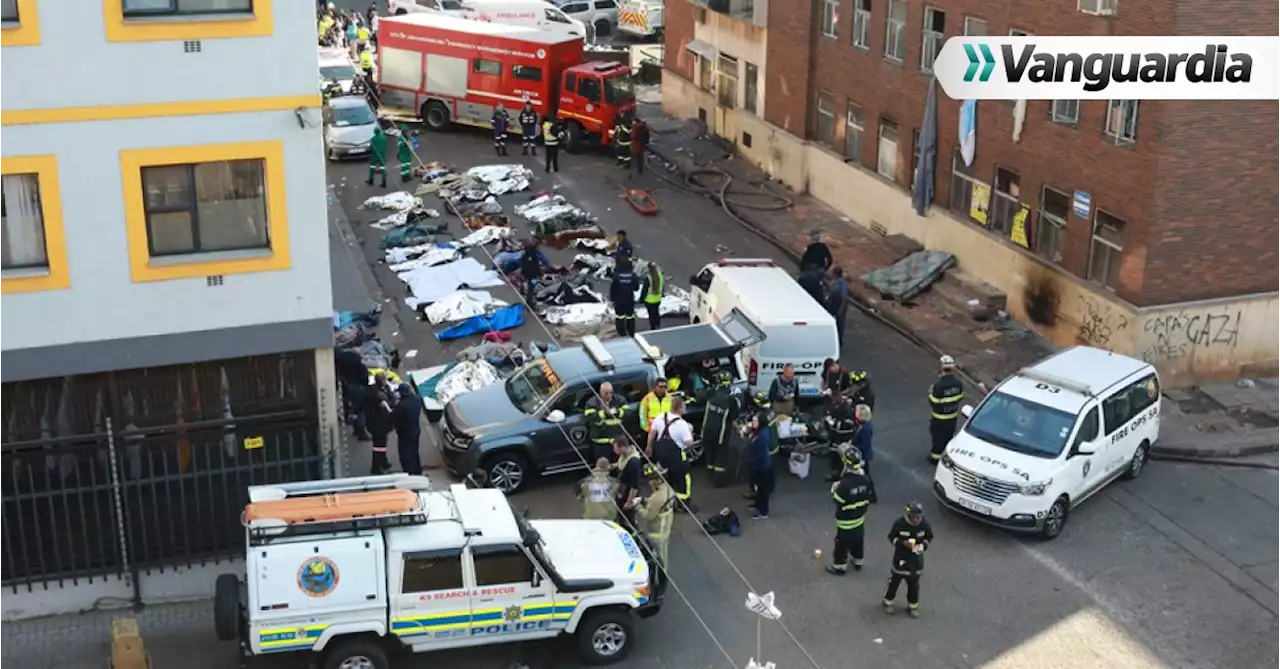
(1098, 323)
(1175, 336)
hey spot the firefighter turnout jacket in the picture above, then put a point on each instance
(597, 494)
(604, 420)
(909, 544)
(852, 496)
(944, 398)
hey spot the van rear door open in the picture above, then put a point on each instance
(803, 346)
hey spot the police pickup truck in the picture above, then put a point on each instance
(354, 570)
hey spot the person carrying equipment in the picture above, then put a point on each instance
(404, 154)
(656, 403)
(622, 292)
(852, 496)
(500, 121)
(552, 134)
(652, 287)
(911, 537)
(670, 439)
(597, 491)
(658, 513)
(717, 424)
(528, 130)
(944, 407)
(622, 142)
(378, 155)
(841, 425)
(604, 414)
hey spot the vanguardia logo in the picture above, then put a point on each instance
(1110, 68)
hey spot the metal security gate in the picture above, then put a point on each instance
(120, 474)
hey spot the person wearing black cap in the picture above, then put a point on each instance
(911, 537)
(406, 416)
(817, 254)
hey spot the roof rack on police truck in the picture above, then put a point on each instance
(344, 505)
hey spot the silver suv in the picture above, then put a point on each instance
(600, 16)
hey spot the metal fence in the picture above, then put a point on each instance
(161, 481)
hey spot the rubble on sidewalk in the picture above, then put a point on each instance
(910, 276)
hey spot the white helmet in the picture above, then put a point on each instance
(947, 361)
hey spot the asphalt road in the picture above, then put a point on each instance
(1176, 569)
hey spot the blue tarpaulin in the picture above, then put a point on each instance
(502, 319)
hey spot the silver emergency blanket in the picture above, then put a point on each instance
(467, 376)
(429, 284)
(434, 254)
(502, 179)
(395, 220)
(597, 245)
(461, 305)
(486, 235)
(398, 201)
(492, 350)
(586, 313)
(547, 207)
(675, 302)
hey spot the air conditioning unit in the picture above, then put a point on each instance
(1097, 7)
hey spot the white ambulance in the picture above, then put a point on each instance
(1049, 437)
(799, 331)
(355, 569)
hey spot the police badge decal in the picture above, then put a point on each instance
(318, 576)
(512, 614)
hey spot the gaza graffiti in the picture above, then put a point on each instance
(1098, 324)
(1175, 336)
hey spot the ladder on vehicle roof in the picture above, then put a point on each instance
(337, 505)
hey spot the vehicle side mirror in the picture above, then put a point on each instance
(1087, 448)
(966, 410)
(556, 416)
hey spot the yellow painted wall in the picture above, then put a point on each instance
(1188, 343)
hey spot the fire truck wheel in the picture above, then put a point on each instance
(435, 115)
(574, 140)
(226, 607)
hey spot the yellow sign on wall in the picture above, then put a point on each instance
(1018, 233)
(251, 443)
(979, 203)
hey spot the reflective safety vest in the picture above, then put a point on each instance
(622, 135)
(548, 134)
(325, 25)
(362, 34)
(366, 60)
(597, 491)
(658, 513)
(651, 407)
(654, 296)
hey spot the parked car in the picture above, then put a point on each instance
(349, 123)
(335, 65)
(516, 429)
(601, 16)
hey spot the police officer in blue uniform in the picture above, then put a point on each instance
(528, 130)
(500, 122)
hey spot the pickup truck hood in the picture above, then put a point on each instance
(998, 463)
(582, 549)
(483, 410)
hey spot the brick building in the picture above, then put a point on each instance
(1141, 206)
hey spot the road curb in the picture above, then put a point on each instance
(1240, 451)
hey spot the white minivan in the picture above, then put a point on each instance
(798, 330)
(533, 13)
(1050, 437)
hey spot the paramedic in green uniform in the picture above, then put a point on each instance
(378, 156)
(404, 153)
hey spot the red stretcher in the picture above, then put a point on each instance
(641, 201)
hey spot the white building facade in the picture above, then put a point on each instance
(166, 316)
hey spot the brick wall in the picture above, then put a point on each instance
(787, 97)
(1122, 180)
(677, 32)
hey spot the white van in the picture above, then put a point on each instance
(532, 13)
(798, 330)
(1050, 437)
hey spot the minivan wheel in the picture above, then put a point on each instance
(1138, 462)
(1055, 519)
(508, 472)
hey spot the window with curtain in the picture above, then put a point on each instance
(887, 149)
(24, 246)
(206, 207)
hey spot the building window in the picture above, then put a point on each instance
(826, 125)
(1006, 203)
(1055, 207)
(862, 24)
(887, 149)
(829, 12)
(969, 196)
(1107, 247)
(1098, 7)
(432, 571)
(935, 23)
(206, 207)
(727, 82)
(1066, 112)
(9, 11)
(1014, 32)
(23, 223)
(895, 29)
(135, 8)
(974, 27)
(704, 73)
(1122, 121)
(750, 81)
(853, 130)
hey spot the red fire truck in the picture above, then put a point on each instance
(443, 70)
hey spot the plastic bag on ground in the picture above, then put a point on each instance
(798, 463)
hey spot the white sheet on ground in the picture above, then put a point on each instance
(461, 305)
(398, 201)
(578, 314)
(464, 378)
(429, 284)
(485, 235)
(438, 255)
